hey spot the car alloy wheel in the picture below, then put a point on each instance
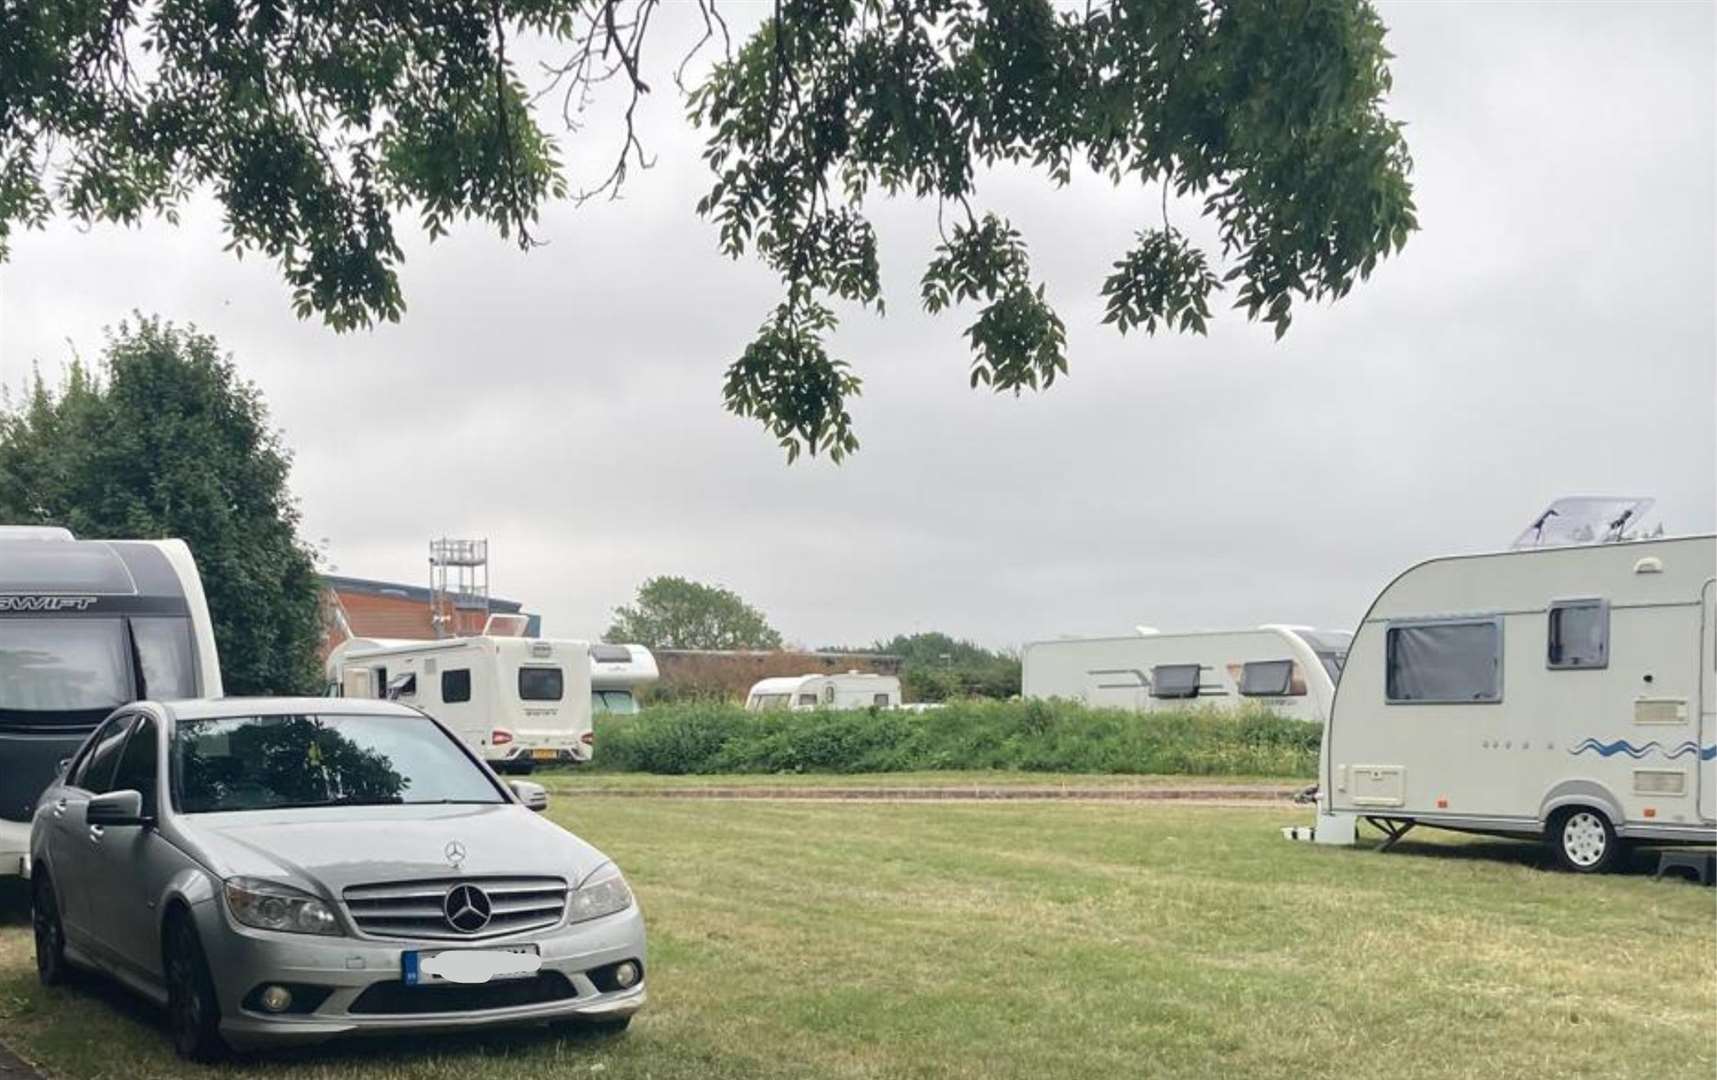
(1585, 842)
(191, 1009)
(50, 934)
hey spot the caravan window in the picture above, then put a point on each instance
(403, 686)
(1174, 681)
(1448, 661)
(164, 650)
(771, 701)
(1269, 678)
(541, 684)
(456, 685)
(1579, 634)
(807, 699)
(64, 665)
(879, 700)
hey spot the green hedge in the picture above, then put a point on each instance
(1033, 736)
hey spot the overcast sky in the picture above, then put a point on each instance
(1549, 331)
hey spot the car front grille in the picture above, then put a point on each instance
(394, 998)
(418, 909)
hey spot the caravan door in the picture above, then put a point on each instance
(1705, 761)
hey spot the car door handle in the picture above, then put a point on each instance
(59, 808)
(95, 834)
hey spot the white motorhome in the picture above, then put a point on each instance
(854, 690)
(516, 701)
(616, 674)
(87, 626)
(1291, 670)
(1563, 690)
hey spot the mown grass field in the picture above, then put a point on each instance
(570, 782)
(1066, 940)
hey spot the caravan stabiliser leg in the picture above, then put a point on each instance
(1391, 829)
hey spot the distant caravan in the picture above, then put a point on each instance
(87, 626)
(1562, 690)
(518, 702)
(617, 672)
(854, 690)
(1291, 670)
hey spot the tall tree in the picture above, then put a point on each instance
(165, 440)
(936, 666)
(315, 123)
(674, 613)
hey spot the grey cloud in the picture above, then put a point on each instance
(1550, 331)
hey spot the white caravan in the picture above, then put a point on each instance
(1564, 692)
(854, 690)
(516, 701)
(1291, 670)
(87, 626)
(616, 673)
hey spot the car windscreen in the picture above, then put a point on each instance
(272, 762)
(619, 702)
(63, 665)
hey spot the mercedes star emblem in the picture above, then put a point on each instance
(455, 852)
(467, 908)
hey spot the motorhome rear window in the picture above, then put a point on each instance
(1445, 661)
(1174, 681)
(1579, 635)
(456, 685)
(541, 684)
(1267, 678)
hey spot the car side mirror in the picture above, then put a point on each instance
(531, 794)
(117, 808)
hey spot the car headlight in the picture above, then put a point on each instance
(602, 893)
(267, 905)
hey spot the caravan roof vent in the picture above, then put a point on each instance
(1586, 519)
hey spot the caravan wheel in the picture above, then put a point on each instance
(1584, 840)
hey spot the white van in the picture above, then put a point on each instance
(1563, 692)
(516, 701)
(1290, 670)
(854, 690)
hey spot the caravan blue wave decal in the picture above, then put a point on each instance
(1705, 753)
(1622, 746)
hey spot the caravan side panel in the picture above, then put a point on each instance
(1608, 718)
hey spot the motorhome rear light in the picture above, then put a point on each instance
(588, 738)
(1442, 804)
(499, 737)
(1651, 811)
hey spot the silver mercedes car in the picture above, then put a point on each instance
(284, 870)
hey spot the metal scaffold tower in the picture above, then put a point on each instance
(458, 581)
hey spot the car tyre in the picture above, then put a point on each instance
(1583, 840)
(50, 932)
(192, 1011)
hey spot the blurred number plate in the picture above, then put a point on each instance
(469, 965)
(545, 755)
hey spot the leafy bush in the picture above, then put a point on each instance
(1035, 736)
